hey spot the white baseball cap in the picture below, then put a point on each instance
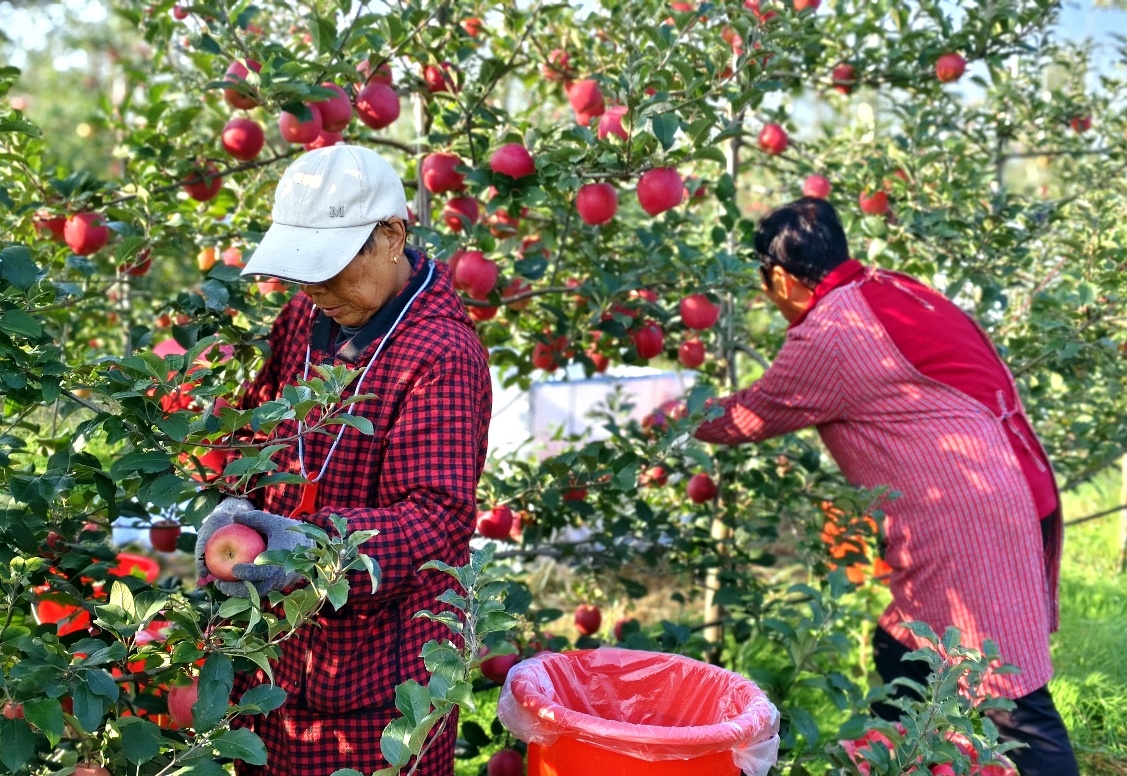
(325, 207)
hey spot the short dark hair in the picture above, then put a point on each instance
(803, 237)
(370, 244)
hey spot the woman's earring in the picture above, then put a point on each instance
(394, 259)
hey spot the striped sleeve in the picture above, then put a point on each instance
(801, 388)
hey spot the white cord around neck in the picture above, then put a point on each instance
(352, 407)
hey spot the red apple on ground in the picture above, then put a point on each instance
(950, 67)
(699, 312)
(229, 546)
(512, 159)
(588, 618)
(495, 523)
(874, 203)
(243, 138)
(773, 139)
(13, 710)
(86, 233)
(816, 186)
(377, 105)
(461, 213)
(691, 353)
(660, 189)
(844, 77)
(701, 488)
(336, 112)
(236, 73)
(649, 340)
(597, 203)
(507, 762)
(203, 184)
(181, 698)
(496, 668)
(475, 274)
(163, 535)
(439, 175)
(610, 123)
(296, 130)
(50, 226)
(87, 768)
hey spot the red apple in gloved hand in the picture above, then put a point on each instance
(229, 546)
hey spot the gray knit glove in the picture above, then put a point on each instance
(222, 515)
(281, 533)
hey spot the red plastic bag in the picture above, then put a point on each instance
(647, 705)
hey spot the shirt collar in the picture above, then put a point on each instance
(841, 275)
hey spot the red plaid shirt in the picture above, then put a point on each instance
(415, 481)
(906, 392)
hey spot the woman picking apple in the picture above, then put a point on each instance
(371, 302)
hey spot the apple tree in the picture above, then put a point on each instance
(593, 176)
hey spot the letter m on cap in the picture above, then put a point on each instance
(336, 212)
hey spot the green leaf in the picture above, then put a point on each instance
(475, 734)
(665, 126)
(17, 743)
(264, 697)
(216, 679)
(241, 744)
(121, 596)
(338, 593)
(101, 683)
(17, 268)
(88, 707)
(140, 739)
(394, 742)
(130, 463)
(20, 323)
(47, 715)
(413, 700)
(804, 722)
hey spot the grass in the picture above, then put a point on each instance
(1090, 685)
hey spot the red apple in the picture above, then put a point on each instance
(699, 312)
(1080, 124)
(382, 74)
(50, 226)
(950, 67)
(701, 488)
(660, 189)
(874, 203)
(461, 213)
(479, 313)
(802, 5)
(773, 139)
(440, 77)
(237, 73)
(545, 357)
(232, 257)
(512, 159)
(600, 361)
(555, 69)
(588, 618)
(13, 710)
(179, 12)
(507, 762)
(163, 535)
(439, 175)
(620, 627)
(516, 287)
(816, 186)
(243, 138)
(296, 130)
(231, 545)
(942, 769)
(575, 494)
(139, 266)
(323, 140)
(610, 123)
(271, 286)
(597, 203)
(495, 523)
(654, 477)
(378, 105)
(475, 274)
(472, 26)
(496, 668)
(86, 233)
(203, 184)
(844, 77)
(586, 97)
(182, 697)
(87, 768)
(691, 353)
(649, 340)
(336, 112)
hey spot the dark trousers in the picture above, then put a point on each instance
(1034, 721)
